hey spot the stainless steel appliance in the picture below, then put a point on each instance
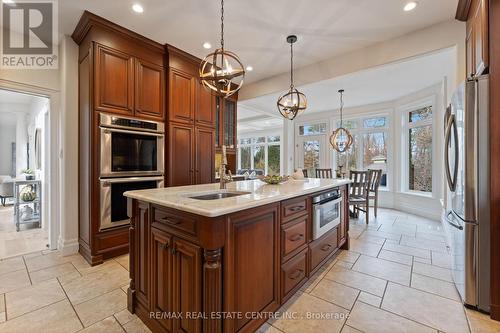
(467, 173)
(114, 204)
(131, 147)
(327, 212)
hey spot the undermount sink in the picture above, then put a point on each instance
(217, 195)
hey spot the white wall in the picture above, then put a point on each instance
(7, 137)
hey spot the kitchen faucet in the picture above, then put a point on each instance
(224, 179)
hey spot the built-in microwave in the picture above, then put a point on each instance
(113, 205)
(327, 212)
(130, 147)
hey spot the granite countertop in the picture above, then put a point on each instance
(260, 194)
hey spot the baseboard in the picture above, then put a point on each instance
(68, 247)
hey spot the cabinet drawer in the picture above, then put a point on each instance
(293, 273)
(293, 236)
(181, 223)
(321, 248)
(290, 209)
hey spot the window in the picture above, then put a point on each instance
(262, 153)
(419, 130)
(369, 148)
(313, 129)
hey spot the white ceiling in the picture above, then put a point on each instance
(256, 29)
(375, 85)
(12, 103)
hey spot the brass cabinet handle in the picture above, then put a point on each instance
(297, 237)
(326, 247)
(164, 246)
(170, 221)
(296, 274)
(297, 208)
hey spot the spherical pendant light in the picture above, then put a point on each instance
(341, 139)
(292, 103)
(222, 71)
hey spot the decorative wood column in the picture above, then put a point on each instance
(131, 289)
(212, 290)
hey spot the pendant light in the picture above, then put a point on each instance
(293, 102)
(341, 139)
(222, 71)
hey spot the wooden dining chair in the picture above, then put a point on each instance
(324, 173)
(374, 179)
(358, 197)
(305, 173)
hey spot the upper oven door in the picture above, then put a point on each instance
(128, 153)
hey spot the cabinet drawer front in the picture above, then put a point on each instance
(293, 237)
(181, 223)
(321, 248)
(294, 272)
(292, 208)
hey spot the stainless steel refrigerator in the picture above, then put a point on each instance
(467, 173)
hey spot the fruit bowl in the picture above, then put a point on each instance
(273, 180)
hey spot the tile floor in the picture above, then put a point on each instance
(13, 243)
(395, 278)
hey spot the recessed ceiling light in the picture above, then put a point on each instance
(249, 68)
(137, 8)
(207, 45)
(410, 6)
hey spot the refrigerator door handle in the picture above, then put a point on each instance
(452, 125)
(450, 222)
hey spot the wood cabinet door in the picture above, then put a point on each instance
(181, 145)
(114, 81)
(252, 265)
(481, 47)
(470, 52)
(205, 155)
(142, 243)
(205, 113)
(182, 96)
(161, 275)
(186, 273)
(149, 90)
(229, 123)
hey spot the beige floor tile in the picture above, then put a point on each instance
(85, 269)
(11, 265)
(2, 317)
(441, 259)
(47, 260)
(2, 308)
(435, 286)
(55, 318)
(422, 260)
(383, 269)
(123, 260)
(407, 230)
(136, 326)
(435, 311)
(433, 271)
(26, 300)
(370, 319)
(101, 307)
(482, 323)
(95, 284)
(318, 276)
(306, 304)
(357, 280)
(344, 264)
(266, 328)
(369, 249)
(420, 243)
(349, 329)
(396, 257)
(336, 293)
(14, 280)
(108, 325)
(51, 272)
(371, 239)
(431, 236)
(125, 287)
(411, 251)
(370, 299)
(348, 256)
(68, 277)
(124, 316)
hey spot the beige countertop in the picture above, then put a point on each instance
(259, 194)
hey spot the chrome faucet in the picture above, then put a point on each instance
(224, 179)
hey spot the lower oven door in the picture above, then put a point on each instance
(114, 204)
(326, 216)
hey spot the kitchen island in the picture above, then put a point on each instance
(204, 259)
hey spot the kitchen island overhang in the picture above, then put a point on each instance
(246, 253)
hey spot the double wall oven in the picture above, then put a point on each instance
(131, 158)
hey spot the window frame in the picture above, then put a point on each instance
(264, 144)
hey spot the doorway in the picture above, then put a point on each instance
(311, 153)
(25, 222)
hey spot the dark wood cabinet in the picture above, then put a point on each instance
(142, 243)
(206, 107)
(149, 90)
(182, 96)
(114, 81)
(205, 163)
(181, 155)
(226, 111)
(477, 38)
